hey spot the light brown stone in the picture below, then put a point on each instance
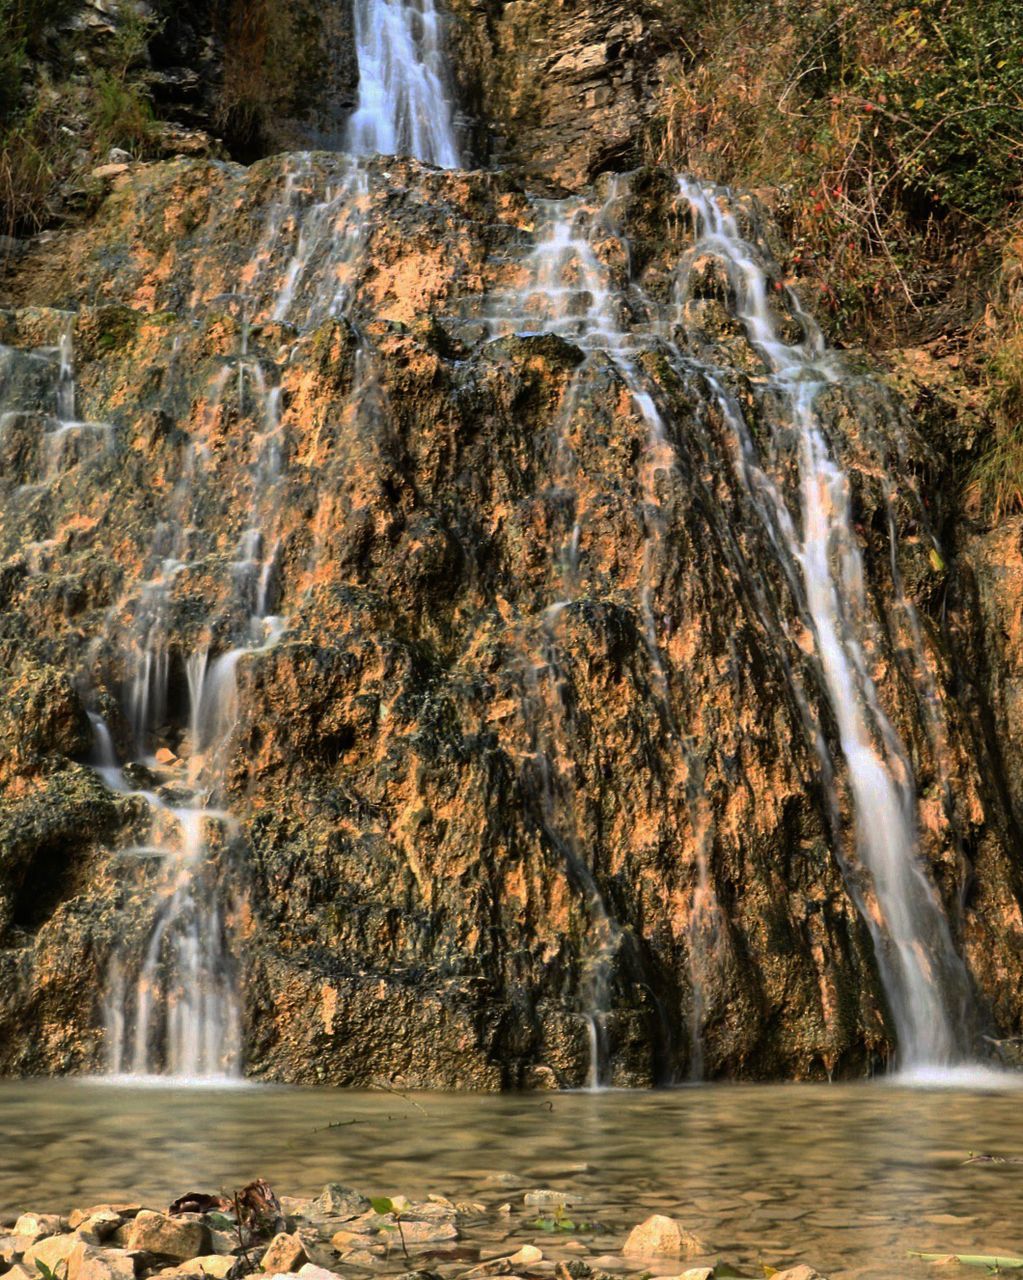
(99, 1228)
(86, 1262)
(664, 1237)
(105, 172)
(181, 1238)
(414, 1232)
(215, 1265)
(285, 1253)
(52, 1251)
(801, 1272)
(83, 1215)
(39, 1225)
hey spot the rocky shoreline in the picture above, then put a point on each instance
(342, 1234)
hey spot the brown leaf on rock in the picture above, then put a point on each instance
(201, 1202)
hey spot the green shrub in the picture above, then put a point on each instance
(121, 108)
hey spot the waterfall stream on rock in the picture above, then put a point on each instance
(403, 107)
(659, 423)
(570, 293)
(173, 1008)
(925, 979)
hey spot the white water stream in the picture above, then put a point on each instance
(403, 107)
(924, 978)
(174, 1009)
(569, 292)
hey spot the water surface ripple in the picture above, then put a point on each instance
(846, 1177)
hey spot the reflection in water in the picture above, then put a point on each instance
(845, 1177)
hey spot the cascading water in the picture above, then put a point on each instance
(403, 107)
(925, 979)
(174, 1009)
(569, 293)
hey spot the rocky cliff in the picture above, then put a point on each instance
(532, 763)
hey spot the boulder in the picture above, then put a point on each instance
(180, 1238)
(417, 1232)
(215, 1265)
(52, 1251)
(39, 1225)
(802, 1272)
(86, 1262)
(285, 1253)
(80, 1216)
(547, 1199)
(660, 1236)
(99, 1228)
(337, 1201)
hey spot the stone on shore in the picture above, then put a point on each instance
(546, 1199)
(215, 1265)
(337, 1201)
(80, 1216)
(801, 1272)
(312, 1272)
(284, 1253)
(98, 1228)
(415, 1231)
(51, 1251)
(39, 1225)
(663, 1237)
(86, 1262)
(180, 1238)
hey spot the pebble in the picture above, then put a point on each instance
(547, 1199)
(663, 1236)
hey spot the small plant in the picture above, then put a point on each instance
(386, 1207)
(559, 1222)
(122, 109)
(50, 1273)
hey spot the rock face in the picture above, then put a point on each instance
(566, 90)
(523, 769)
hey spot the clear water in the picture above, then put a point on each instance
(848, 1178)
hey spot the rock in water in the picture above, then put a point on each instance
(660, 1236)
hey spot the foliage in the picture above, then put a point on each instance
(51, 129)
(122, 112)
(47, 1272)
(385, 1206)
(997, 477)
(893, 131)
(273, 66)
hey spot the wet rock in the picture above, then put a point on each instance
(421, 1233)
(85, 1262)
(660, 1236)
(337, 1201)
(799, 1273)
(547, 1199)
(180, 1238)
(286, 1253)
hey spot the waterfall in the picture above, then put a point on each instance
(174, 1008)
(569, 291)
(403, 107)
(924, 978)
